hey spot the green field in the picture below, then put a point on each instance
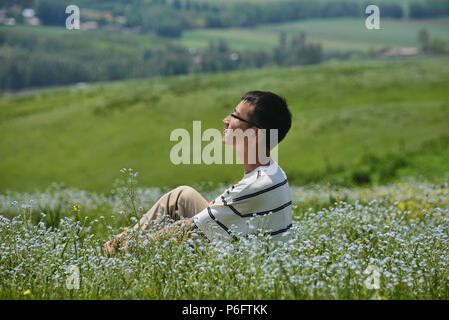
(341, 34)
(101, 39)
(382, 118)
(402, 2)
(335, 34)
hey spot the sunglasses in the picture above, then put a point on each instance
(241, 119)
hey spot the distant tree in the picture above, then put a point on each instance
(147, 54)
(222, 46)
(173, 60)
(213, 20)
(299, 40)
(435, 8)
(282, 39)
(432, 44)
(22, 3)
(423, 38)
(280, 53)
(341, 9)
(391, 10)
(438, 45)
(176, 4)
(165, 22)
(159, 2)
(51, 12)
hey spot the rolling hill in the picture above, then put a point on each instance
(352, 122)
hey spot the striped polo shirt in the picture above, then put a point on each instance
(260, 202)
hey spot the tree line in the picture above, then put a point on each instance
(170, 18)
(29, 61)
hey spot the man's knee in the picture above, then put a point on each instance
(189, 197)
(187, 192)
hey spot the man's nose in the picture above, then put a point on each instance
(226, 120)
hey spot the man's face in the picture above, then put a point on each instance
(241, 110)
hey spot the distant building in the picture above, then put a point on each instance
(28, 13)
(109, 17)
(234, 56)
(92, 14)
(401, 52)
(30, 18)
(192, 51)
(121, 20)
(32, 21)
(5, 20)
(198, 59)
(89, 25)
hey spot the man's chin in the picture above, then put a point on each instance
(227, 143)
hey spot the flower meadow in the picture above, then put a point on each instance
(363, 242)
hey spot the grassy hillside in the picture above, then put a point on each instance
(351, 122)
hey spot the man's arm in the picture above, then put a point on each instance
(178, 228)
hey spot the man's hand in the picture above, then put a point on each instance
(178, 229)
(111, 247)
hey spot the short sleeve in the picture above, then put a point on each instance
(210, 225)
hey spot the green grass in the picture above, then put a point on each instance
(396, 111)
(238, 39)
(335, 34)
(100, 39)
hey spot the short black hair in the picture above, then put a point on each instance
(270, 111)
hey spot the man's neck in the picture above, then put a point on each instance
(248, 167)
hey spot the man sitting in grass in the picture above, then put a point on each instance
(259, 201)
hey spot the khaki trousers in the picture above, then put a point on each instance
(181, 202)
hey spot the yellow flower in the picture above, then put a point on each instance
(401, 206)
(151, 291)
(76, 208)
(359, 241)
(27, 292)
(411, 204)
(125, 229)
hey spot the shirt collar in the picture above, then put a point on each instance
(262, 168)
